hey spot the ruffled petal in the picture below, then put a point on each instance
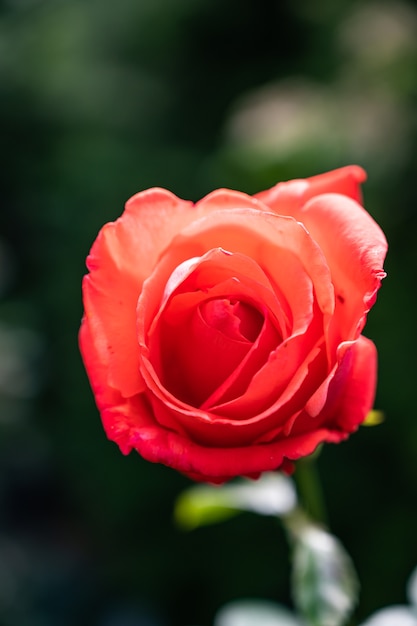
(287, 198)
(345, 181)
(355, 249)
(218, 464)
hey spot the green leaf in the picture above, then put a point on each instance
(200, 506)
(325, 585)
(255, 613)
(374, 418)
(272, 494)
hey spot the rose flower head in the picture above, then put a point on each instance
(223, 338)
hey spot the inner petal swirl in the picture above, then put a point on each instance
(204, 344)
(235, 319)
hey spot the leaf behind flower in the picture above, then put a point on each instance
(272, 494)
(374, 418)
(325, 587)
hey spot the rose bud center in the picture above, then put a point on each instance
(237, 320)
(203, 345)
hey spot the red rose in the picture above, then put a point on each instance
(224, 338)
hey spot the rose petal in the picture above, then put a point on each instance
(120, 415)
(217, 464)
(352, 242)
(109, 316)
(345, 180)
(212, 270)
(121, 258)
(349, 390)
(357, 397)
(216, 274)
(267, 238)
(226, 199)
(217, 430)
(355, 248)
(237, 383)
(96, 366)
(197, 357)
(163, 346)
(286, 198)
(279, 378)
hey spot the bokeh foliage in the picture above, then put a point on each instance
(99, 100)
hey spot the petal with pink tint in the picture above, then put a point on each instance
(217, 464)
(266, 238)
(119, 415)
(278, 380)
(357, 396)
(125, 420)
(165, 346)
(345, 181)
(213, 430)
(217, 274)
(120, 259)
(287, 198)
(348, 392)
(196, 355)
(355, 248)
(226, 200)
(200, 273)
(219, 430)
(236, 384)
(110, 316)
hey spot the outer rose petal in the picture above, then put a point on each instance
(357, 397)
(286, 198)
(354, 245)
(119, 415)
(355, 249)
(345, 180)
(217, 465)
(121, 258)
(349, 391)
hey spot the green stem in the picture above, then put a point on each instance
(309, 489)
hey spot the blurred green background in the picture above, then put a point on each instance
(99, 100)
